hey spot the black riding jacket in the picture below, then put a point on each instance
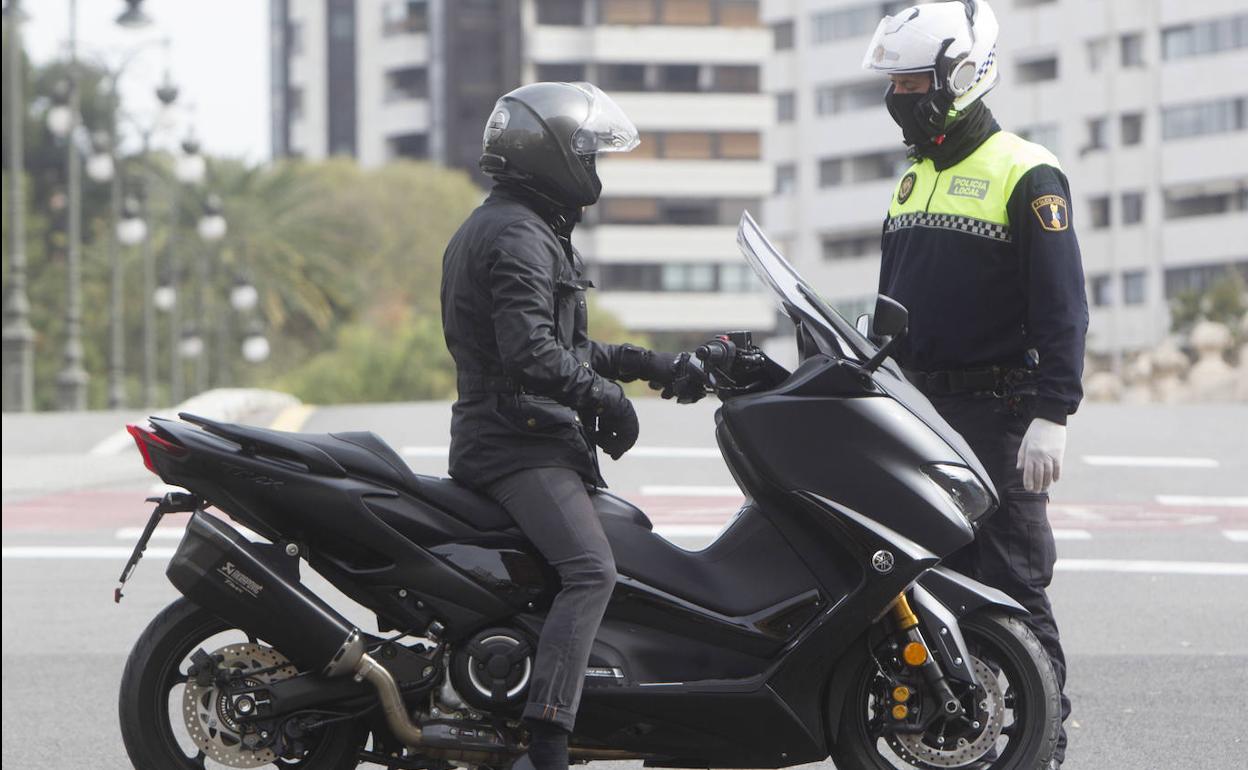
(515, 321)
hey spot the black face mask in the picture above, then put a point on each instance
(922, 117)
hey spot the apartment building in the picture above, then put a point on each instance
(1143, 101)
(385, 79)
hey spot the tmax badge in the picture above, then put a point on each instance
(883, 562)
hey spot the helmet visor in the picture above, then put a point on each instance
(606, 129)
(901, 47)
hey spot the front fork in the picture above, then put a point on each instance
(917, 655)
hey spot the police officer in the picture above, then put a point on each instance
(979, 245)
(535, 392)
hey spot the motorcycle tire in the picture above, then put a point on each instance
(143, 706)
(1011, 647)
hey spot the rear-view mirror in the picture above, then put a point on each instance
(891, 317)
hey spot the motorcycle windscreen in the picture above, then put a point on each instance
(837, 337)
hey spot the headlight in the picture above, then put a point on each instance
(963, 489)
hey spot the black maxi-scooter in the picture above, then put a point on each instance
(819, 623)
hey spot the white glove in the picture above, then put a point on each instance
(1040, 456)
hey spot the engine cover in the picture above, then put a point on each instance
(493, 668)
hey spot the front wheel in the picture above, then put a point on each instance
(1015, 711)
(170, 721)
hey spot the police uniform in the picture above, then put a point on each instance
(981, 250)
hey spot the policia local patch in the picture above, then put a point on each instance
(1052, 212)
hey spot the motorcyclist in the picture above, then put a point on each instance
(978, 245)
(535, 392)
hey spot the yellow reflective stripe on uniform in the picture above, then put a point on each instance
(974, 193)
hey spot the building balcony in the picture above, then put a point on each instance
(690, 311)
(657, 243)
(686, 178)
(696, 111)
(670, 45)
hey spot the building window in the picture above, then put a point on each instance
(1134, 287)
(1037, 70)
(407, 83)
(688, 212)
(294, 102)
(1217, 117)
(622, 77)
(697, 278)
(1099, 209)
(1209, 199)
(1045, 135)
(1204, 38)
(843, 23)
(786, 179)
(834, 246)
(1132, 128)
(833, 98)
(627, 12)
(740, 145)
(564, 13)
(409, 146)
(1098, 49)
(678, 77)
(1097, 139)
(1200, 278)
(688, 12)
(294, 38)
(1131, 49)
(629, 210)
(687, 145)
(782, 35)
(404, 17)
(786, 107)
(874, 166)
(1132, 208)
(1101, 290)
(831, 172)
(561, 73)
(735, 79)
(737, 13)
(738, 279)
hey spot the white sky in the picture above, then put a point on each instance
(219, 58)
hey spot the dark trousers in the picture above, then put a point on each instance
(1014, 550)
(552, 508)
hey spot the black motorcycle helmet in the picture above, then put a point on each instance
(545, 136)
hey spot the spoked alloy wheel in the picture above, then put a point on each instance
(1016, 710)
(168, 722)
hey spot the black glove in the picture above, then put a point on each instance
(614, 424)
(684, 380)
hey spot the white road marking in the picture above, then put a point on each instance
(1153, 567)
(1072, 534)
(1200, 501)
(708, 531)
(1131, 461)
(132, 534)
(78, 552)
(690, 491)
(1236, 535)
(652, 452)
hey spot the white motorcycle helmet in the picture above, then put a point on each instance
(955, 42)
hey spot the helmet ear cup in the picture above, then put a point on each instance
(962, 76)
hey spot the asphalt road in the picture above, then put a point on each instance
(1152, 515)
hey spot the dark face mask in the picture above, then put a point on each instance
(922, 117)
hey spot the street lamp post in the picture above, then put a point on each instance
(19, 336)
(71, 382)
(189, 170)
(211, 229)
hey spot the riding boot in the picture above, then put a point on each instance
(548, 747)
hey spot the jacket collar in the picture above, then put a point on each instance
(560, 218)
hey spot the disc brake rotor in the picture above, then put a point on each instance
(211, 719)
(914, 748)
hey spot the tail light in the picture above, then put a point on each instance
(148, 442)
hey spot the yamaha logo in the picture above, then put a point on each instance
(883, 562)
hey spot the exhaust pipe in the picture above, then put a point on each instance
(226, 574)
(237, 580)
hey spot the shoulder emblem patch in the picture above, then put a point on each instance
(1052, 212)
(906, 187)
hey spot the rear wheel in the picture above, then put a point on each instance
(169, 722)
(1016, 726)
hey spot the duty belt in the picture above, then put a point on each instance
(469, 384)
(999, 381)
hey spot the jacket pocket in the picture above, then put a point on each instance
(1035, 549)
(536, 414)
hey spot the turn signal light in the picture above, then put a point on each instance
(901, 694)
(915, 654)
(900, 712)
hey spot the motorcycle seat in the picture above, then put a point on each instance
(364, 452)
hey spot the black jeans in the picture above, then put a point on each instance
(1014, 550)
(552, 508)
